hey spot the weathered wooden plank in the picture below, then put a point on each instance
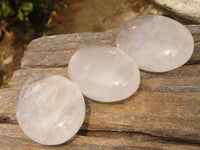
(62, 42)
(11, 137)
(183, 79)
(43, 54)
(167, 115)
(20, 76)
(7, 106)
(55, 51)
(166, 104)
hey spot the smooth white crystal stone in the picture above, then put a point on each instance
(156, 43)
(50, 109)
(104, 73)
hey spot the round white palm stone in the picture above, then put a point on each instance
(104, 73)
(50, 109)
(156, 43)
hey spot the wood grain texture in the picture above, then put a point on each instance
(183, 79)
(55, 51)
(163, 114)
(12, 137)
(166, 104)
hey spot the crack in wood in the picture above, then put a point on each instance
(7, 120)
(153, 137)
(129, 134)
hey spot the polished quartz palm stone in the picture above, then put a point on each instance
(50, 109)
(156, 43)
(104, 73)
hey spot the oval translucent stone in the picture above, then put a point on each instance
(156, 43)
(50, 109)
(104, 73)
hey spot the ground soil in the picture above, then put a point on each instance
(100, 15)
(75, 16)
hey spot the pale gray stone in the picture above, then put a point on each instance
(50, 109)
(188, 9)
(156, 43)
(104, 73)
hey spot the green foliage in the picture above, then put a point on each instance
(4, 11)
(36, 12)
(24, 10)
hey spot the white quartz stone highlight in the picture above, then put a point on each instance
(50, 109)
(104, 73)
(156, 43)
